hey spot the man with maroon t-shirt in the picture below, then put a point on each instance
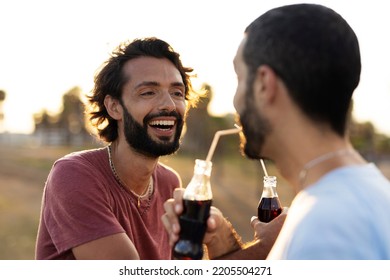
(106, 203)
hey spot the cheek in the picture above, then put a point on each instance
(181, 107)
(138, 112)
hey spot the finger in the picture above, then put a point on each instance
(214, 219)
(178, 198)
(254, 221)
(171, 222)
(211, 223)
(214, 222)
(282, 217)
(169, 207)
(170, 216)
(171, 229)
(256, 224)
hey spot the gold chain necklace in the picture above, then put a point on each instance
(318, 160)
(146, 193)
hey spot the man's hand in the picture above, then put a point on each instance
(220, 237)
(271, 229)
(264, 238)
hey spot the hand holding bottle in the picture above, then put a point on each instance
(196, 205)
(216, 223)
(197, 199)
(268, 231)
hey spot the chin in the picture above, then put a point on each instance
(252, 155)
(249, 151)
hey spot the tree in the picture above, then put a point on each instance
(71, 119)
(66, 127)
(2, 98)
(367, 141)
(201, 128)
(199, 131)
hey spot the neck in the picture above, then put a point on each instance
(319, 152)
(328, 161)
(133, 170)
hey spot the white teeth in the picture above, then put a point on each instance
(162, 122)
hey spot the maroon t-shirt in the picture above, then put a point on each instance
(82, 201)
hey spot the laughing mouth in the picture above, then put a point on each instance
(163, 124)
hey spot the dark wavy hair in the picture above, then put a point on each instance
(316, 54)
(111, 79)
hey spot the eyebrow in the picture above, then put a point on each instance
(153, 83)
(147, 83)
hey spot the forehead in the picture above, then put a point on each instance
(151, 69)
(238, 60)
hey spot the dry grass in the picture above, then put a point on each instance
(23, 172)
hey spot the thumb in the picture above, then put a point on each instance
(254, 221)
(211, 224)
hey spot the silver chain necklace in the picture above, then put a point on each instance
(147, 192)
(318, 160)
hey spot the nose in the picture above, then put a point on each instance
(236, 101)
(167, 103)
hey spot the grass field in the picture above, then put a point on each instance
(236, 184)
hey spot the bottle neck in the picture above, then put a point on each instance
(269, 186)
(199, 187)
(202, 167)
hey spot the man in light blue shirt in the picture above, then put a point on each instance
(344, 215)
(297, 68)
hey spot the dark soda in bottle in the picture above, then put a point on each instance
(197, 200)
(193, 228)
(269, 205)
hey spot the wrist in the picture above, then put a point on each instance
(224, 241)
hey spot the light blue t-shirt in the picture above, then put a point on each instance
(345, 215)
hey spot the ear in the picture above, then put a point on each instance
(113, 107)
(266, 83)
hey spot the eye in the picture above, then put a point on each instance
(177, 93)
(147, 93)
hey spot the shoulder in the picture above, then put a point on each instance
(166, 169)
(78, 168)
(83, 157)
(168, 174)
(338, 210)
(350, 187)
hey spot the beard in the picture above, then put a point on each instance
(138, 138)
(255, 127)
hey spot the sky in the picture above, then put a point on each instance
(48, 47)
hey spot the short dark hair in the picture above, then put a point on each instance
(111, 79)
(315, 52)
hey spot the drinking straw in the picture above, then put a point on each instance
(263, 165)
(218, 134)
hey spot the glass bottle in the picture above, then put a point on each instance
(197, 200)
(269, 206)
